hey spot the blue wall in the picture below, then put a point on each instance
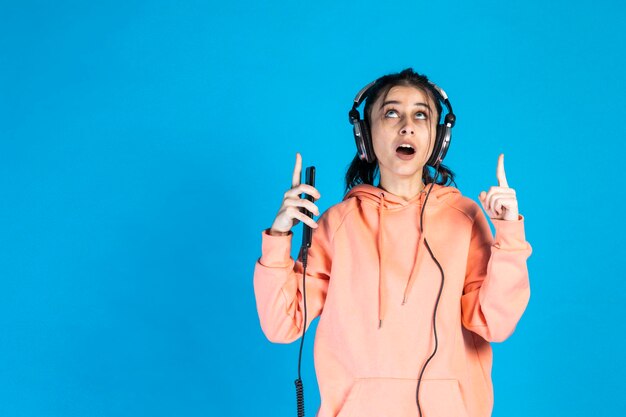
(144, 145)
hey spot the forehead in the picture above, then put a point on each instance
(405, 94)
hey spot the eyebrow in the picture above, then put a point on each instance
(397, 102)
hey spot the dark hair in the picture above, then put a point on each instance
(362, 172)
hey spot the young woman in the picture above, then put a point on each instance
(406, 277)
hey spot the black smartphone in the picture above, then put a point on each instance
(307, 233)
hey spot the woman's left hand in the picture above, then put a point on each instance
(500, 202)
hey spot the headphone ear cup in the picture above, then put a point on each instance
(367, 142)
(442, 143)
(362, 138)
(358, 130)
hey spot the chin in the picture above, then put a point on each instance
(403, 169)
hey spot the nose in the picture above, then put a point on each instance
(407, 129)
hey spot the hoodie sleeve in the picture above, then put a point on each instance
(496, 289)
(278, 283)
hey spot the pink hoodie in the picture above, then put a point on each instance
(374, 285)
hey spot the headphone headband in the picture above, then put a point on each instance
(443, 97)
(358, 99)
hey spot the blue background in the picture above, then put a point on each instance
(146, 144)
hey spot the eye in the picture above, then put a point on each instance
(421, 115)
(391, 113)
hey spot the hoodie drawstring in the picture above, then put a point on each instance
(381, 286)
(382, 289)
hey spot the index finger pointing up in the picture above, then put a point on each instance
(500, 172)
(297, 171)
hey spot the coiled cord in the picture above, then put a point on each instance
(300, 397)
(299, 387)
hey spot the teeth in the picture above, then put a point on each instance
(404, 145)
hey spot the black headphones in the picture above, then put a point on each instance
(363, 139)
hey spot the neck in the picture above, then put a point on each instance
(403, 188)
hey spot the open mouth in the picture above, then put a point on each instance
(405, 150)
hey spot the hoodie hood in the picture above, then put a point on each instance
(432, 194)
(376, 195)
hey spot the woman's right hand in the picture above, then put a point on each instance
(289, 213)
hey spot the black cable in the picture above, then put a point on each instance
(419, 380)
(304, 255)
(299, 387)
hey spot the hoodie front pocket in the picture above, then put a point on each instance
(395, 397)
